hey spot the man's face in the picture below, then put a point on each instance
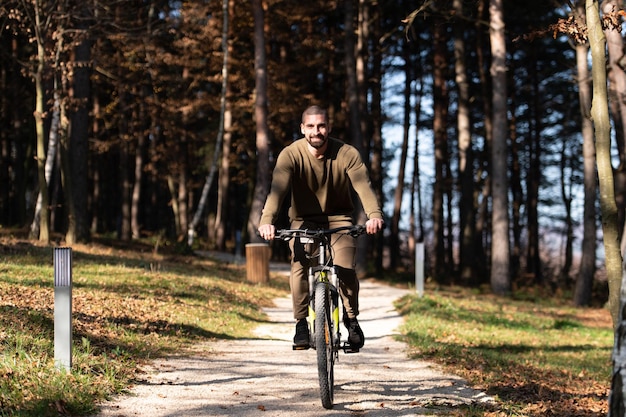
(315, 129)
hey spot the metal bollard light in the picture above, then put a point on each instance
(63, 308)
(419, 269)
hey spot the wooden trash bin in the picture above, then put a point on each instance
(258, 262)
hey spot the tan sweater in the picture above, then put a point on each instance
(321, 188)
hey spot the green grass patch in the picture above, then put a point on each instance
(129, 305)
(536, 359)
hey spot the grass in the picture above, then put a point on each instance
(540, 358)
(535, 357)
(128, 306)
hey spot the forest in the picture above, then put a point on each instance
(161, 119)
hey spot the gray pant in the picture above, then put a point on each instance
(344, 256)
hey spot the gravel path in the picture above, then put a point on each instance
(263, 376)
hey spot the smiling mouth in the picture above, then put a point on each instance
(317, 141)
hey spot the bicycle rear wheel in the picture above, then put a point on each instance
(324, 344)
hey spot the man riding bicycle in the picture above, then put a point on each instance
(321, 173)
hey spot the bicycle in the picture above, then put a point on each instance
(323, 318)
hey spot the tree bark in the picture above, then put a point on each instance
(394, 238)
(533, 179)
(352, 90)
(602, 126)
(124, 229)
(467, 210)
(518, 148)
(566, 196)
(440, 137)
(417, 219)
(220, 132)
(224, 201)
(44, 227)
(124, 186)
(584, 280)
(617, 396)
(377, 164)
(183, 189)
(361, 72)
(145, 116)
(617, 101)
(53, 136)
(263, 174)
(223, 185)
(356, 118)
(78, 224)
(135, 225)
(500, 274)
(484, 167)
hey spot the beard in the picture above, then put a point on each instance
(317, 141)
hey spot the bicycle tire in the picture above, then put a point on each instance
(324, 344)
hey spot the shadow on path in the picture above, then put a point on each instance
(266, 377)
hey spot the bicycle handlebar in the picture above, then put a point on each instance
(287, 234)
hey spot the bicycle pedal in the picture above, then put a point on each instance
(347, 348)
(300, 347)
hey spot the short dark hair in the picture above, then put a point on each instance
(314, 110)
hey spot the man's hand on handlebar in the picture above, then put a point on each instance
(267, 231)
(373, 226)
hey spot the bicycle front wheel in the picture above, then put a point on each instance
(324, 344)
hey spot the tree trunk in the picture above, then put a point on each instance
(601, 122)
(65, 171)
(417, 224)
(584, 281)
(600, 117)
(183, 190)
(15, 163)
(53, 141)
(362, 78)
(617, 396)
(44, 227)
(96, 168)
(566, 196)
(440, 104)
(533, 260)
(124, 230)
(124, 186)
(617, 101)
(220, 132)
(223, 213)
(517, 191)
(263, 173)
(135, 225)
(500, 274)
(53, 137)
(78, 225)
(483, 230)
(353, 97)
(376, 166)
(352, 90)
(467, 210)
(394, 238)
(171, 186)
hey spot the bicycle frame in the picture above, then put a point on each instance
(324, 272)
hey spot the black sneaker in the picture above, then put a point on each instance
(301, 339)
(356, 339)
